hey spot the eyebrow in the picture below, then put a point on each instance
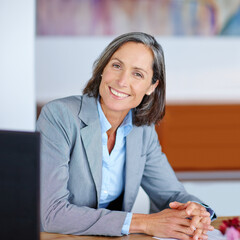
(133, 67)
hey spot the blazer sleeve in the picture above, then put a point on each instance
(58, 214)
(159, 180)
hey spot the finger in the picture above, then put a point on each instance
(194, 206)
(197, 212)
(178, 205)
(176, 231)
(181, 232)
(206, 225)
(178, 224)
(180, 221)
(197, 234)
(201, 223)
(182, 236)
(183, 229)
(207, 220)
(202, 236)
(195, 222)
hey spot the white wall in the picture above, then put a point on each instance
(17, 86)
(222, 196)
(204, 70)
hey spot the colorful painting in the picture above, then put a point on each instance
(157, 17)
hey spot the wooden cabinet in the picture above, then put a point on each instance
(201, 137)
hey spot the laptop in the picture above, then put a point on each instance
(19, 185)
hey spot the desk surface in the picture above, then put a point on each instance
(54, 236)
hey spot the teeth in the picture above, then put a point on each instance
(118, 94)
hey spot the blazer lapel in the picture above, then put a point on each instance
(133, 167)
(92, 140)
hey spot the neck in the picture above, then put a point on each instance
(115, 121)
(114, 118)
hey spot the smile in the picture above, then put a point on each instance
(118, 94)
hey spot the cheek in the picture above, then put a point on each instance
(140, 90)
(101, 88)
(104, 82)
(106, 79)
(107, 75)
(104, 86)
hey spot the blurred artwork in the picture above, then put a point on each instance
(156, 17)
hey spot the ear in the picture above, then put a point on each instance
(152, 88)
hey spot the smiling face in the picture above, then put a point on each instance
(126, 78)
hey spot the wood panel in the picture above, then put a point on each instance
(201, 137)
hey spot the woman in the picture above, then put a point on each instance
(97, 149)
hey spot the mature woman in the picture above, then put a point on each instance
(99, 148)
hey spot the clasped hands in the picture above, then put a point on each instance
(183, 221)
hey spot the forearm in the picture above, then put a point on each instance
(67, 218)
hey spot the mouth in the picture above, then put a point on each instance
(118, 94)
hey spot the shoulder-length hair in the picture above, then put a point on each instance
(152, 107)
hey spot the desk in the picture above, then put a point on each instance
(216, 223)
(54, 236)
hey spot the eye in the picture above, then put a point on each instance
(116, 65)
(139, 75)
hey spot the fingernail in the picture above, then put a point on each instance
(211, 228)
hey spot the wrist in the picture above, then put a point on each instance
(138, 223)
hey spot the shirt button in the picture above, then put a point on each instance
(105, 191)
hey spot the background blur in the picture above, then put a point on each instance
(47, 49)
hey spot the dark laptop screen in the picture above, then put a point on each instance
(19, 185)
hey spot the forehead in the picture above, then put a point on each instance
(135, 52)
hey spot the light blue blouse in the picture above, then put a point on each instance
(113, 165)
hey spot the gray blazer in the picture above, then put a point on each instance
(71, 168)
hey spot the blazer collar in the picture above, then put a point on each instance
(88, 112)
(92, 139)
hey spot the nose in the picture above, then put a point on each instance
(123, 79)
